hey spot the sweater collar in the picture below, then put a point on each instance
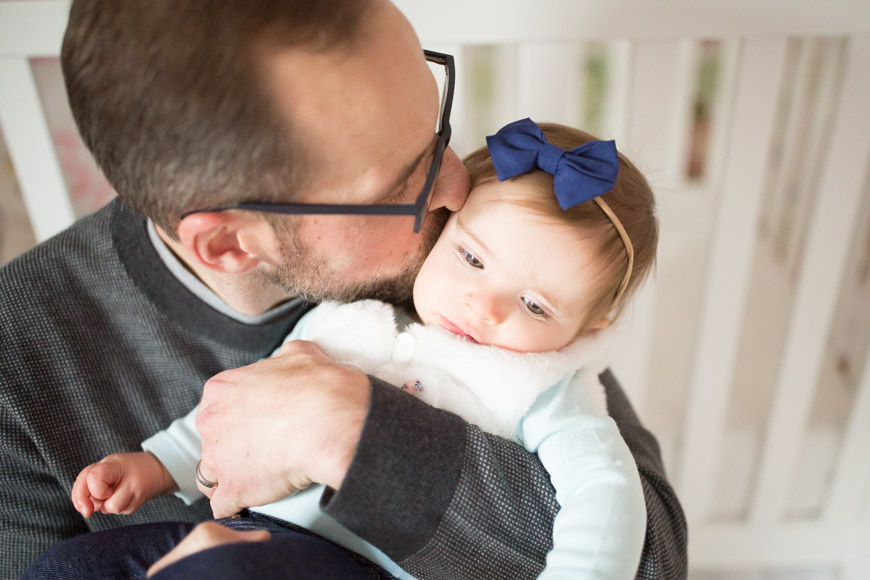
(178, 302)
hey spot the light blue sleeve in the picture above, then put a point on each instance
(179, 446)
(599, 530)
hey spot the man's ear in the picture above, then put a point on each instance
(224, 242)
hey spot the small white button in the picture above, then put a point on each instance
(403, 348)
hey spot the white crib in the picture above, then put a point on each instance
(750, 354)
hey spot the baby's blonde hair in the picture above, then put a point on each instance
(631, 200)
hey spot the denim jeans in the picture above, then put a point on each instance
(292, 553)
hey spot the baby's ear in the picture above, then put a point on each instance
(603, 323)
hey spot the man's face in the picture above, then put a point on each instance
(367, 117)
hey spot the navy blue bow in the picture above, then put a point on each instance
(581, 174)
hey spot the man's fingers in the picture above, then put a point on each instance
(227, 502)
(207, 484)
(300, 347)
(223, 506)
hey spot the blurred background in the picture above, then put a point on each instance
(748, 355)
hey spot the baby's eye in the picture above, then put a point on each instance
(471, 259)
(533, 307)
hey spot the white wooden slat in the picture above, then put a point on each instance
(855, 563)
(730, 54)
(497, 21)
(782, 202)
(818, 118)
(547, 82)
(487, 81)
(30, 147)
(632, 364)
(824, 263)
(736, 545)
(32, 27)
(864, 515)
(506, 85)
(619, 57)
(848, 494)
(679, 141)
(577, 99)
(656, 87)
(756, 87)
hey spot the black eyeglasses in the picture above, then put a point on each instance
(418, 209)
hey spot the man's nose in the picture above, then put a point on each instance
(451, 187)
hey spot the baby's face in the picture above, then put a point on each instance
(502, 275)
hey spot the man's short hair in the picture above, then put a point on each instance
(171, 96)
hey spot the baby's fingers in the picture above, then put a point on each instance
(81, 495)
(124, 501)
(102, 479)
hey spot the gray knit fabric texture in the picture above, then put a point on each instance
(495, 552)
(89, 366)
(100, 347)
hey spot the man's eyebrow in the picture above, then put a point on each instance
(409, 169)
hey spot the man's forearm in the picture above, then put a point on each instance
(442, 498)
(403, 475)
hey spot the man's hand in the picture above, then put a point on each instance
(205, 536)
(271, 428)
(120, 484)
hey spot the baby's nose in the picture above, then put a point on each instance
(486, 308)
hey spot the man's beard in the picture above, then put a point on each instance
(308, 275)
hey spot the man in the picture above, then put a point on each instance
(109, 329)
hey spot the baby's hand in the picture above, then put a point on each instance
(120, 484)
